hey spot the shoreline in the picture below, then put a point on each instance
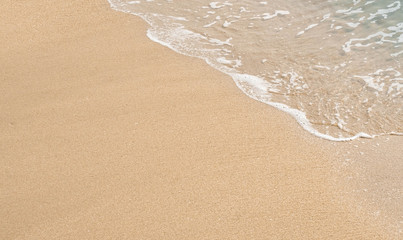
(110, 135)
(250, 85)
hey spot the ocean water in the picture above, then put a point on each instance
(335, 65)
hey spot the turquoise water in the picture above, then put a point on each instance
(334, 65)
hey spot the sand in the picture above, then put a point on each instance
(108, 135)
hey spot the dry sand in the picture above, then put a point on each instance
(107, 135)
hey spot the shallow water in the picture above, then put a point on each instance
(334, 65)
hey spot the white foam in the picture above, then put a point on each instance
(253, 86)
(210, 24)
(350, 11)
(216, 5)
(267, 16)
(396, 54)
(384, 12)
(347, 46)
(234, 63)
(307, 28)
(371, 82)
(353, 25)
(259, 85)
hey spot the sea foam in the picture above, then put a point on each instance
(334, 66)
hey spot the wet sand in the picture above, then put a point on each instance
(106, 134)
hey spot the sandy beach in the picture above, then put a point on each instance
(108, 135)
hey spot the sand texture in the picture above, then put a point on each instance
(108, 135)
